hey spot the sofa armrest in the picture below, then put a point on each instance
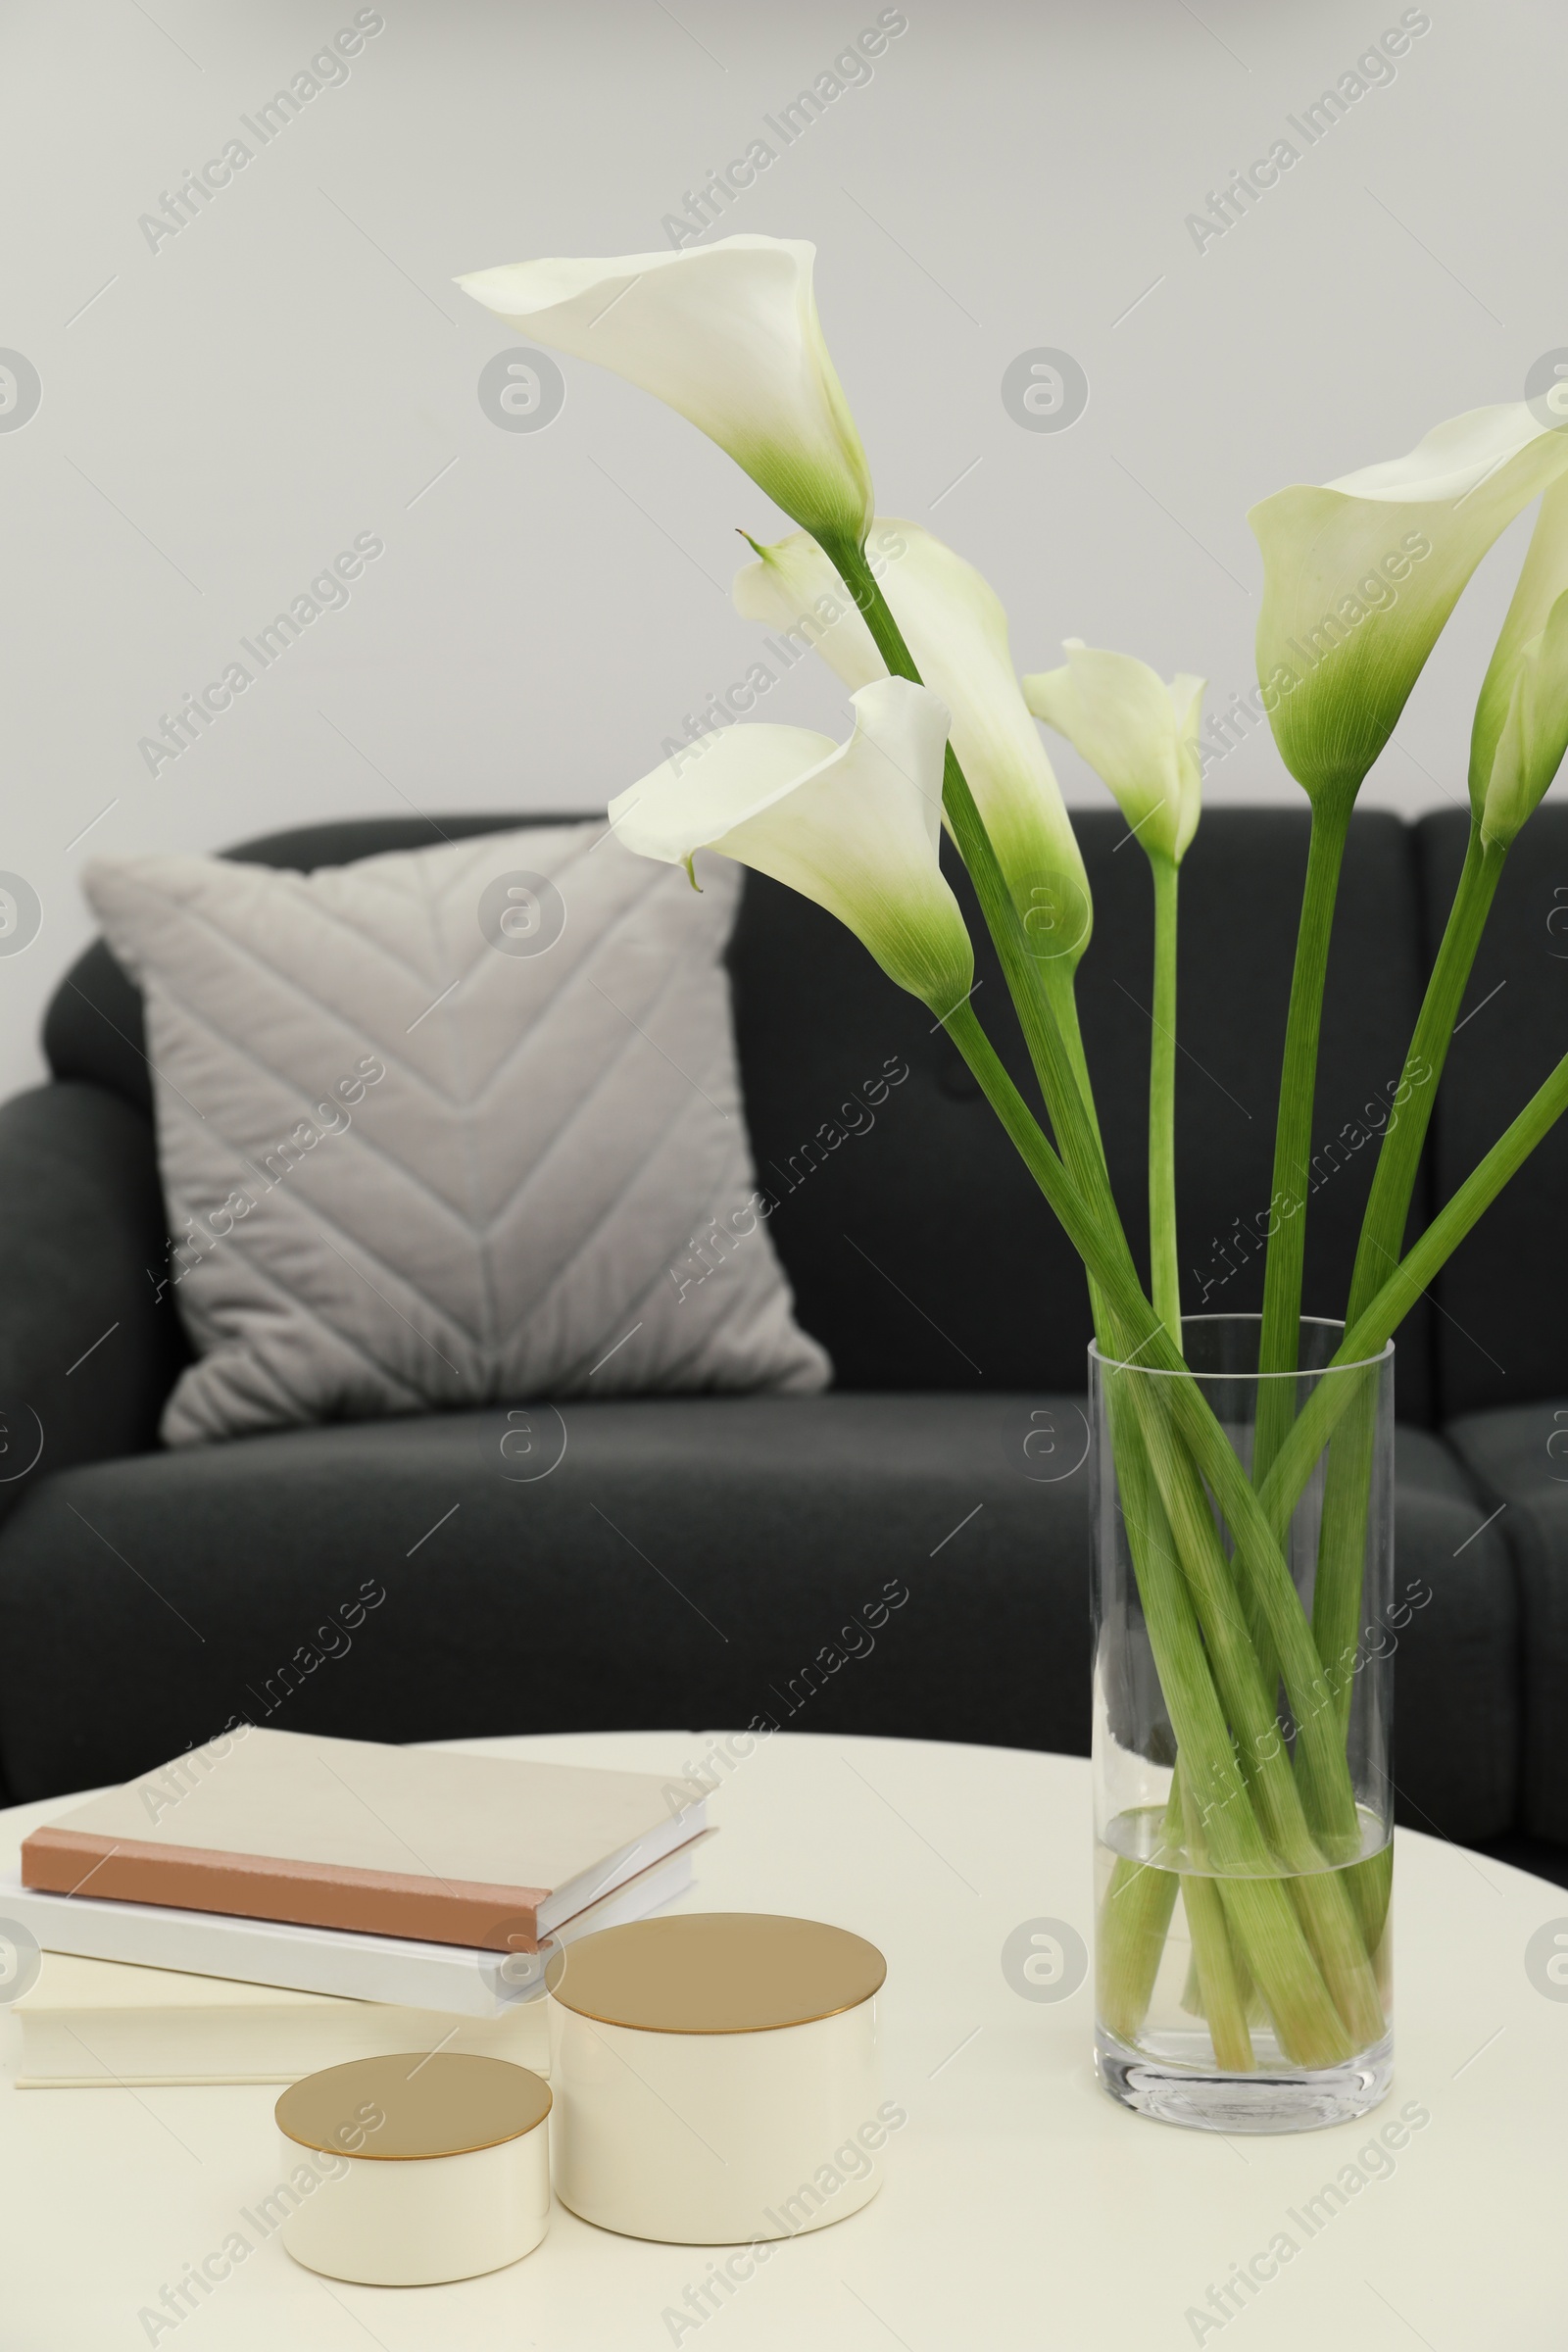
(1516, 1455)
(89, 1347)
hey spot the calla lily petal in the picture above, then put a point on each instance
(1139, 735)
(1521, 724)
(954, 626)
(1186, 699)
(728, 336)
(1361, 575)
(856, 827)
(1535, 734)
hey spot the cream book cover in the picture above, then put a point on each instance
(103, 2022)
(485, 1851)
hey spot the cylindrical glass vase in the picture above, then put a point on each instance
(1245, 1629)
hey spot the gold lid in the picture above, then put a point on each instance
(413, 2104)
(715, 1972)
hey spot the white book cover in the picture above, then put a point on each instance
(464, 1982)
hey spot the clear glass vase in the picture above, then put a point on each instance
(1245, 1629)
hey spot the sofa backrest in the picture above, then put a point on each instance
(921, 1252)
(1501, 1335)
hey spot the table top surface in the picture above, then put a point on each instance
(1023, 2209)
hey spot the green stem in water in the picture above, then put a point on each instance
(1164, 1278)
(1331, 1925)
(1222, 1974)
(1342, 1545)
(1221, 1980)
(1293, 1140)
(1134, 1922)
(1278, 1952)
(1371, 1887)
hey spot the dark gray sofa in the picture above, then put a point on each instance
(707, 1560)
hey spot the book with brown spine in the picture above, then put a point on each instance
(489, 1852)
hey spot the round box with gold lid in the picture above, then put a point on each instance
(425, 2166)
(716, 2077)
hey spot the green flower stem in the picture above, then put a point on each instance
(1059, 983)
(1332, 1927)
(1270, 1934)
(1136, 1911)
(1326, 1779)
(1086, 1208)
(1139, 1901)
(1262, 1910)
(1342, 1545)
(1371, 1886)
(1056, 983)
(1421, 1264)
(1284, 1961)
(1165, 1276)
(1293, 1142)
(1220, 1982)
(1134, 1922)
(1138, 1904)
(1043, 993)
(1048, 1011)
(1083, 1201)
(1026, 974)
(1207, 1612)
(1222, 1974)
(1058, 980)
(1135, 1917)
(1400, 1154)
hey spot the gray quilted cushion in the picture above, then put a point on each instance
(448, 1127)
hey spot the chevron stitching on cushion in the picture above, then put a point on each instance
(504, 1205)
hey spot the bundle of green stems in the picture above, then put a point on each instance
(1282, 1908)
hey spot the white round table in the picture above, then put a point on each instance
(1023, 2211)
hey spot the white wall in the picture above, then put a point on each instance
(295, 368)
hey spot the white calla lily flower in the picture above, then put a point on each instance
(955, 629)
(1139, 735)
(1361, 575)
(1521, 724)
(728, 336)
(855, 826)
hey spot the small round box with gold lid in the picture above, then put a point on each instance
(438, 2167)
(716, 2077)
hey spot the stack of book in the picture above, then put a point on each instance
(276, 1903)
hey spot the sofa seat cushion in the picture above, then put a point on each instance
(1518, 1457)
(912, 1565)
(1457, 1711)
